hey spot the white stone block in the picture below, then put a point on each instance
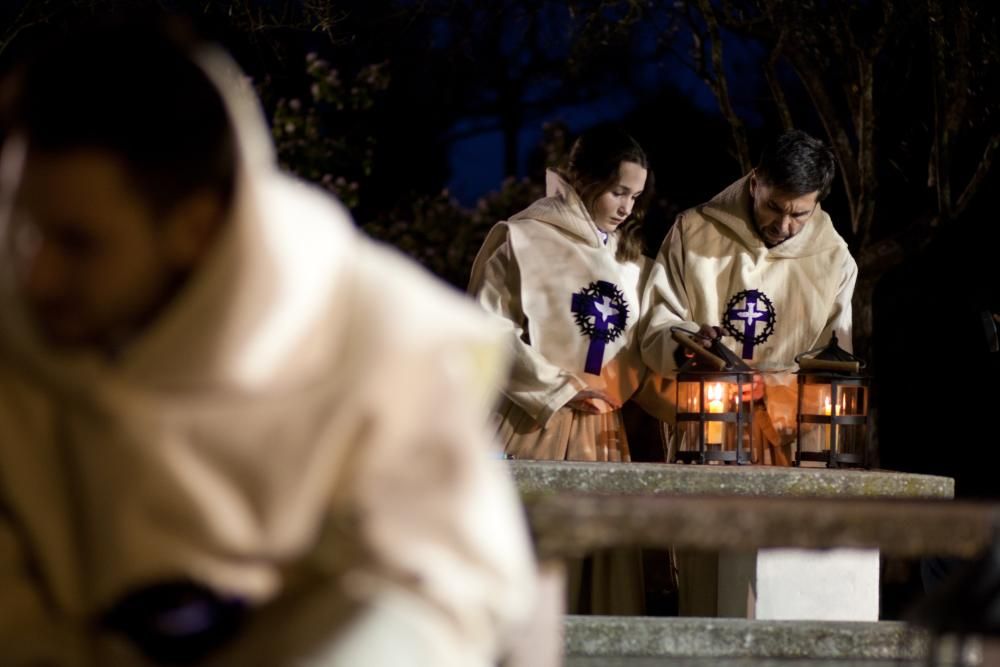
(833, 585)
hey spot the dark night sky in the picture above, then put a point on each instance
(476, 162)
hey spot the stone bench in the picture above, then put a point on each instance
(572, 524)
(767, 523)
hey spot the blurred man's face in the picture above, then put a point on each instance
(779, 215)
(91, 262)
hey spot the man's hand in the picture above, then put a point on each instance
(708, 333)
(592, 402)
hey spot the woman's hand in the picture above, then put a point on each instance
(592, 402)
(755, 390)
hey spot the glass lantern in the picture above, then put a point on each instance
(714, 406)
(832, 408)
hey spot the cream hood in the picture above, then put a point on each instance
(732, 209)
(562, 208)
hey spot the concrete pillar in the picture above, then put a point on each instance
(800, 584)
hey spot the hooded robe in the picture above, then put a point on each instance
(571, 312)
(301, 429)
(773, 303)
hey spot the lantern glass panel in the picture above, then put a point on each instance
(850, 439)
(689, 397)
(816, 399)
(719, 436)
(814, 437)
(852, 401)
(687, 437)
(719, 400)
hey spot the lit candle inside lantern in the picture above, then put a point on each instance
(825, 432)
(714, 393)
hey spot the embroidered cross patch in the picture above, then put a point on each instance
(744, 312)
(601, 313)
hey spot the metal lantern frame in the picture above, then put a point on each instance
(839, 370)
(715, 365)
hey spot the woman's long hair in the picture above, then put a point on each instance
(593, 169)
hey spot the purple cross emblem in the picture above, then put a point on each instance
(757, 309)
(601, 313)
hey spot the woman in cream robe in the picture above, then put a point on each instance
(562, 279)
(294, 431)
(567, 295)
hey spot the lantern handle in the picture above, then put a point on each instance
(854, 365)
(798, 357)
(824, 365)
(686, 338)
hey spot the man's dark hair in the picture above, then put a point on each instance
(135, 92)
(798, 164)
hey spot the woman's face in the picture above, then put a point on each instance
(613, 206)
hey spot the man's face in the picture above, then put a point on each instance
(779, 215)
(87, 253)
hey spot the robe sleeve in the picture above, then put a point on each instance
(665, 296)
(535, 384)
(656, 393)
(450, 574)
(782, 387)
(423, 557)
(840, 320)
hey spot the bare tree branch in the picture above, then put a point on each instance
(982, 170)
(840, 141)
(777, 92)
(19, 24)
(716, 80)
(865, 127)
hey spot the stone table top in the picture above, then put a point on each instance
(540, 477)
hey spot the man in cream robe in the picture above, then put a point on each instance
(283, 461)
(762, 265)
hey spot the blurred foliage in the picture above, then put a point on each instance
(435, 230)
(443, 235)
(324, 136)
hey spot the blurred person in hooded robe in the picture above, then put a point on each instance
(232, 430)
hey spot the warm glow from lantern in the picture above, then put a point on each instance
(714, 395)
(826, 432)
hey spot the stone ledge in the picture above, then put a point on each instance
(662, 478)
(566, 524)
(730, 638)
